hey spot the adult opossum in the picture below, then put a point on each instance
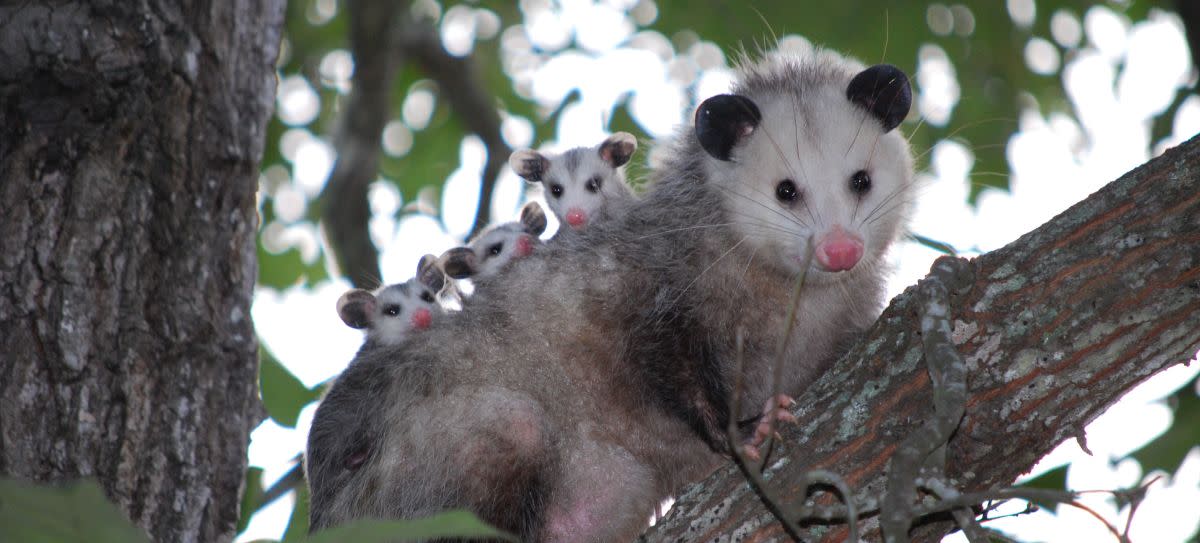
(595, 378)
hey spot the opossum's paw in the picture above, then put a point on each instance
(775, 410)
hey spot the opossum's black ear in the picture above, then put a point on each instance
(533, 218)
(618, 148)
(529, 164)
(724, 120)
(459, 262)
(430, 274)
(883, 89)
(357, 308)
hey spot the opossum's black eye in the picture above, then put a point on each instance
(786, 191)
(556, 190)
(860, 182)
(495, 248)
(427, 297)
(593, 184)
(391, 310)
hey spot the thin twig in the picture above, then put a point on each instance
(825, 477)
(734, 442)
(781, 351)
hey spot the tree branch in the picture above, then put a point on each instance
(346, 212)
(1055, 327)
(459, 82)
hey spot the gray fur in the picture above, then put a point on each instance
(586, 382)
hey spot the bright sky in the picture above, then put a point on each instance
(1123, 75)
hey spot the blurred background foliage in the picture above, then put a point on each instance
(1003, 57)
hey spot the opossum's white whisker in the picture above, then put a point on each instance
(789, 216)
(705, 270)
(683, 229)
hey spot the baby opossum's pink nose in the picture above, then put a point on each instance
(576, 217)
(422, 318)
(524, 246)
(839, 250)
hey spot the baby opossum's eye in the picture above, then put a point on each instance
(860, 182)
(495, 248)
(593, 184)
(427, 297)
(391, 310)
(556, 190)
(786, 191)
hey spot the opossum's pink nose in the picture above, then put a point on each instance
(421, 319)
(524, 246)
(839, 250)
(576, 217)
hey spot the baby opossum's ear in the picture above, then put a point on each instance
(618, 148)
(430, 274)
(533, 218)
(529, 164)
(459, 262)
(723, 121)
(883, 89)
(357, 308)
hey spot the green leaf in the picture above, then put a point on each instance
(48, 514)
(281, 270)
(1055, 479)
(250, 497)
(459, 524)
(1166, 452)
(282, 394)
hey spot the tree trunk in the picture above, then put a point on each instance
(130, 135)
(1054, 329)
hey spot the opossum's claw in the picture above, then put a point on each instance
(776, 409)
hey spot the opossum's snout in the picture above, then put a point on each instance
(524, 246)
(421, 319)
(576, 217)
(838, 250)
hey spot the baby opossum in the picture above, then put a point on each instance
(390, 314)
(495, 247)
(565, 405)
(582, 185)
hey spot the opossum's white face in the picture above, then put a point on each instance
(495, 249)
(391, 313)
(816, 166)
(402, 309)
(582, 185)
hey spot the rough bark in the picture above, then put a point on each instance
(130, 134)
(1057, 325)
